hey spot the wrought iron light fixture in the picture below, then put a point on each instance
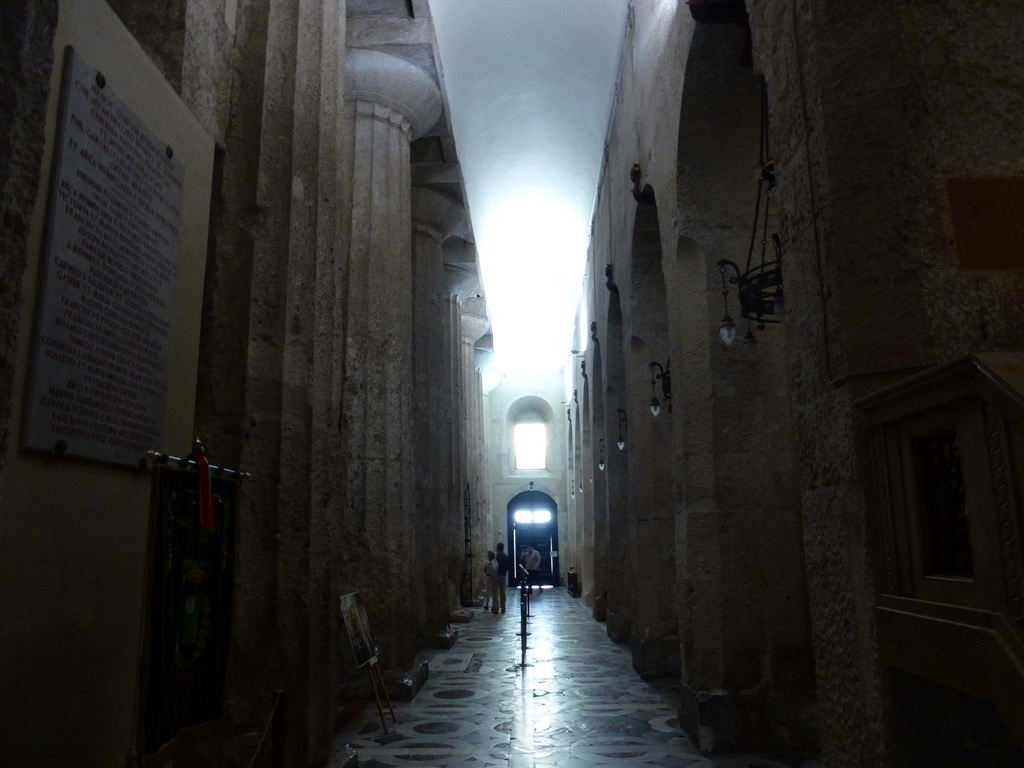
(621, 442)
(643, 196)
(759, 284)
(662, 375)
(600, 461)
(609, 278)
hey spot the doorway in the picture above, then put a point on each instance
(533, 522)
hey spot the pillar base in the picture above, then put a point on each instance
(723, 722)
(719, 721)
(343, 756)
(460, 616)
(600, 609)
(656, 657)
(617, 625)
(442, 640)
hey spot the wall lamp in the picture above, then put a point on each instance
(662, 375)
(621, 442)
(758, 285)
(600, 461)
(609, 279)
(643, 196)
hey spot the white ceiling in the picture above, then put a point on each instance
(530, 86)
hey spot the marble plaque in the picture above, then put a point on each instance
(100, 356)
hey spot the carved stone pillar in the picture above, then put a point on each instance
(474, 325)
(388, 102)
(438, 510)
(461, 281)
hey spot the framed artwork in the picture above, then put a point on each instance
(358, 628)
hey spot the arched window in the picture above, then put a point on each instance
(529, 434)
(530, 440)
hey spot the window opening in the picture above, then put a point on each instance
(530, 446)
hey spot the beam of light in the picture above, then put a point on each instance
(530, 87)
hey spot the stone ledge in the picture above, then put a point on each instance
(401, 686)
(443, 640)
(343, 756)
(405, 686)
(721, 721)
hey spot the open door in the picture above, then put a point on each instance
(533, 521)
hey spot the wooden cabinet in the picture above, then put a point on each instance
(946, 451)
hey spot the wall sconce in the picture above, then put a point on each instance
(758, 286)
(621, 442)
(643, 196)
(666, 388)
(600, 461)
(609, 279)
(581, 480)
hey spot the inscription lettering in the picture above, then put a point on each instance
(106, 307)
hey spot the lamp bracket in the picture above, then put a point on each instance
(756, 288)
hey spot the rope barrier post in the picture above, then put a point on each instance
(524, 614)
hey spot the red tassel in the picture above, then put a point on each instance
(206, 519)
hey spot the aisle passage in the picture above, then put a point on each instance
(578, 703)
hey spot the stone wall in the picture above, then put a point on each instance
(307, 345)
(895, 133)
(26, 58)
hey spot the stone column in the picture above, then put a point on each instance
(269, 364)
(388, 102)
(435, 217)
(456, 473)
(461, 281)
(474, 325)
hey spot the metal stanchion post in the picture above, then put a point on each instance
(524, 613)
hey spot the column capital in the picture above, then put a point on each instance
(461, 280)
(393, 82)
(474, 319)
(436, 214)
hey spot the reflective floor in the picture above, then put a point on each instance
(576, 703)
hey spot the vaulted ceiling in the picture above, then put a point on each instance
(529, 88)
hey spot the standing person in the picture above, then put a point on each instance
(492, 580)
(531, 561)
(504, 566)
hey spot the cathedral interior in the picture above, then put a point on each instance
(717, 305)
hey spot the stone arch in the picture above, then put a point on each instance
(734, 430)
(617, 420)
(585, 498)
(653, 630)
(597, 520)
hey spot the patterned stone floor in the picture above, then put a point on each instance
(577, 703)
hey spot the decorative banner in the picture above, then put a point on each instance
(100, 356)
(189, 614)
(358, 627)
